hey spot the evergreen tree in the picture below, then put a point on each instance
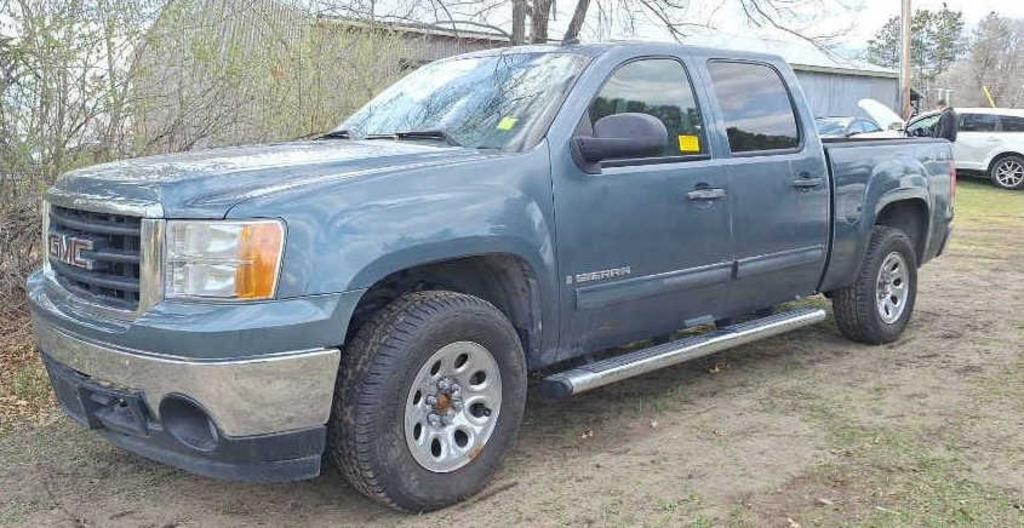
(936, 42)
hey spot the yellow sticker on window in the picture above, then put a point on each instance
(689, 144)
(507, 123)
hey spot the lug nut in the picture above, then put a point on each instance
(444, 384)
(431, 400)
(433, 419)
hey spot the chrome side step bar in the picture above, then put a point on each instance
(617, 368)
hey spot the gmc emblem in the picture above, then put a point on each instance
(68, 249)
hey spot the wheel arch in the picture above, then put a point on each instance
(996, 158)
(910, 215)
(506, 280)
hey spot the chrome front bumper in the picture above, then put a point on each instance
(244, 397)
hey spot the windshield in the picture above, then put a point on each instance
(491, 101)
(831, 127)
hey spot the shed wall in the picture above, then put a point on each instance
(836, 94)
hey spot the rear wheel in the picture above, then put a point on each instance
(877, 307)
(1008, 172)
(430, 396)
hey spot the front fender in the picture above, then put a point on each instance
(538, 259)
(347, 235)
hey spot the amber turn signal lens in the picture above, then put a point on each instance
(259, 255)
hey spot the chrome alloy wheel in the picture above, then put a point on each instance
(1010, 173)
(892, 287)
(453, 406)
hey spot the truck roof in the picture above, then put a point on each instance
(594, 49)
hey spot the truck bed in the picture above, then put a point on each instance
(879, 171)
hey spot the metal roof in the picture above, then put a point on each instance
(801, 55)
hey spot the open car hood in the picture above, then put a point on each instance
(884, 116)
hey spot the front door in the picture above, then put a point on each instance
(644, 244)
(779, 188)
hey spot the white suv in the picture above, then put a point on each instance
(991, 140)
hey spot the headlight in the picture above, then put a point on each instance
(236, 260)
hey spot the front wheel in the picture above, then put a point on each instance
(1008, 173)
(430, 396)
(877, 307)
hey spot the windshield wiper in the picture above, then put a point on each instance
(336, 134)
(435, 133)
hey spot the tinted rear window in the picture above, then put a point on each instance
(979, 123)
(1013, 124)
(755, 105)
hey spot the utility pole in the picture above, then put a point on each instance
(905, 19)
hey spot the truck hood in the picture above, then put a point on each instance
(207, 183)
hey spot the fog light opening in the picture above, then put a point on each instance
(187, 422)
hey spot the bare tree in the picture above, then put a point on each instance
(579, 14)
(63, 99)
(798, 18)
(995, 62)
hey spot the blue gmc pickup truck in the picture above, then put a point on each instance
(375, 298)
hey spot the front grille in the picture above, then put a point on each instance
(114, 258)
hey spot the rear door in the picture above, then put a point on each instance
(779, 189)
(977, 138)
(1012, 134)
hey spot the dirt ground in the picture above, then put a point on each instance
(806, 429)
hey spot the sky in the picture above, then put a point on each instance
(876, 12)
(857, 19)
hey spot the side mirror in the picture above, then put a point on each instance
(629, 135)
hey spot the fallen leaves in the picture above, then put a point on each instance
(24, 390)
(718, 367)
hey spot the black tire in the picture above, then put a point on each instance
(1003, 163)
(855, 307)
(366, 433)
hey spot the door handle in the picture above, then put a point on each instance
(706, 194)
(808, 183)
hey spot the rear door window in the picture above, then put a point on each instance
(979, 123)
(756, 107)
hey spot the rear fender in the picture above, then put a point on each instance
(857, 206)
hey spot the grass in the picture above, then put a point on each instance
(906, 474)
(979, 204)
